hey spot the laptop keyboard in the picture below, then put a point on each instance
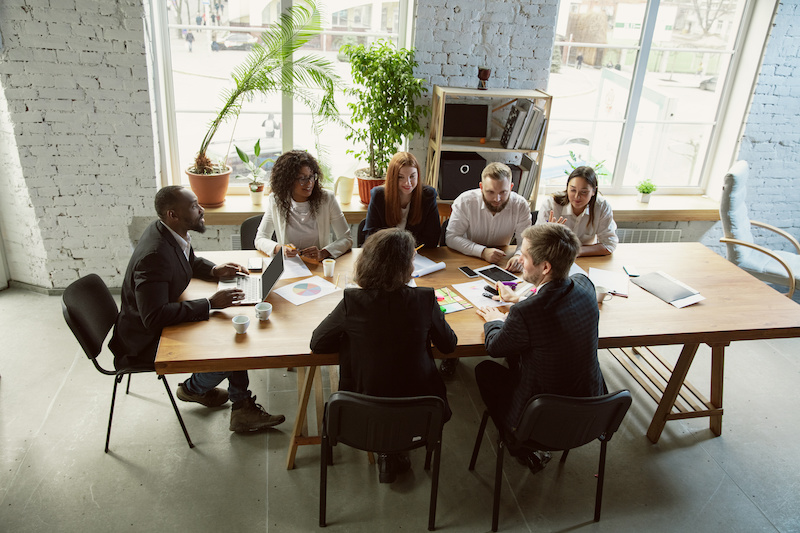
(251, 285)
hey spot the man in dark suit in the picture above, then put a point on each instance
(549, 339)
(159, 271)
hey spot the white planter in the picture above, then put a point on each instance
(256, 197)
(644, 198)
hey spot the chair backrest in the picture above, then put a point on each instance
(361, 236)
(384, 425)
(90, 312)
(733, 211)
(442, 240)
(247, 232)
(552, 422)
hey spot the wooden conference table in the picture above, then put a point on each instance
(737, 307)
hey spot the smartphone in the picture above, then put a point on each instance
(491, 290)
(631, 271)
(467, 271)
(255, 264)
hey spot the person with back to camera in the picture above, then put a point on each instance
(583, 211)
(159, 271)
(549, 340)
(301, 212)
(403, 203)
(384, 329)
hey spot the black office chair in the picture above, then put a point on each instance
(383, 425)
(442, 240)
(553, 423)
(247, 232)
(361, 235)
(90, 312)
(534, 216)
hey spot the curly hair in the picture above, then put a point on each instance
(400, 160)
(587, 173)
(386, 260)
(284, 176)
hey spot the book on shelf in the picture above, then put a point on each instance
(529, 107)
(510, 123)
(526, 137)
(519, 120)
(540, 135)
(529, 168)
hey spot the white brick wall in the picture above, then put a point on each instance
(77, 141)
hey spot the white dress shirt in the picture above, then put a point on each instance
(603, 229)
(473, 227)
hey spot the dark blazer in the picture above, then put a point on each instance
(427, 232)
(552, 336)
(384, 342)
(157, 274)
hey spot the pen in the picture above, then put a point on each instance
(242, 274)
(618, 294)
(510, 283)
(418, 247)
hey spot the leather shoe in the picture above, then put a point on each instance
(447, 368)
(213, 398)
(535, 461)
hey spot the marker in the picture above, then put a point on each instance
(510, 283)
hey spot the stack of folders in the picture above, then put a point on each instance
(525, 126)
(529, 168)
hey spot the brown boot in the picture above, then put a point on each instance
(250, 416)
(213, 398)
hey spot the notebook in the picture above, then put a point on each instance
(256, 288)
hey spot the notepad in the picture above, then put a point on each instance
(668, 289)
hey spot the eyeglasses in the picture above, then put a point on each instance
(303, 180)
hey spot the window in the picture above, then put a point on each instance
(194, 71)
(639, 87)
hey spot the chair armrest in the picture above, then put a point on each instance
(779, 231)
(769, 253)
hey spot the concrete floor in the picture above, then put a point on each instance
(54, 475)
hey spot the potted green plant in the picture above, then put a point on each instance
(270, 67)
(645, 188)
(386, 95)
(257, 173)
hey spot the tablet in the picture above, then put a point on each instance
(494, 273)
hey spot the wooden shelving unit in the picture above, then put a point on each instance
(436, 145)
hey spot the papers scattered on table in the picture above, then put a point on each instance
(423, 265)
(615, 282)
(473, 291)
(304, 291)
(575, 269)
(668, 289)
(294, 267)
(450, 301)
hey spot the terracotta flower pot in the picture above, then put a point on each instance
(365, 185)
(210, 188)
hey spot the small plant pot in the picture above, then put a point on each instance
(644, 197)
(257, 196)
(366, 184)
(210, 188)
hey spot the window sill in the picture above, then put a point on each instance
(239, 208)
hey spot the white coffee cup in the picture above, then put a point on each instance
(602, 294)
(327, 267)
(263, 310)
(240, 323)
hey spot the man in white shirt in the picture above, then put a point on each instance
(485, 219)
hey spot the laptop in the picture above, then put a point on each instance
(256, 288)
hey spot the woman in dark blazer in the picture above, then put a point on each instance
(403, 203)
(384, 329)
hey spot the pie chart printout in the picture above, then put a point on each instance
(306, 289)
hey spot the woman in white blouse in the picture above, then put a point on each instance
(301, 213)
(583, 211)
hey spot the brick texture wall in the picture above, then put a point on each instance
(76, 137)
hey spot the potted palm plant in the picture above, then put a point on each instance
(386, 95)
(270, 67)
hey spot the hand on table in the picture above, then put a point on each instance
(492, 255)
(226, 298)
(552, 218)
(490, 313)
(312, 252)
(514, 264)
(228, 270)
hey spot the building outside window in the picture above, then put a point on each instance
(638, 87)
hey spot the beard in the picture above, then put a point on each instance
(199, 226)
(496, 209)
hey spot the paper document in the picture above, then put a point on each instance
(474, 292)
(423, 265)
(575, 269)
(450, 301)
(294, 267)
(615, 282)
(668, 289)
(304, 291)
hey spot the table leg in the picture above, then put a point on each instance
(717, 372)
(318, 395)
(671, 392)
(301, 377)
(301, 415)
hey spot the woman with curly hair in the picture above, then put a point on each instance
(383, 331)
(404, 203)
(301, 213)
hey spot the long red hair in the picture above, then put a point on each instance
(400, 160)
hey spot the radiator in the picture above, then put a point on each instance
(236, 242)
(648, 235)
